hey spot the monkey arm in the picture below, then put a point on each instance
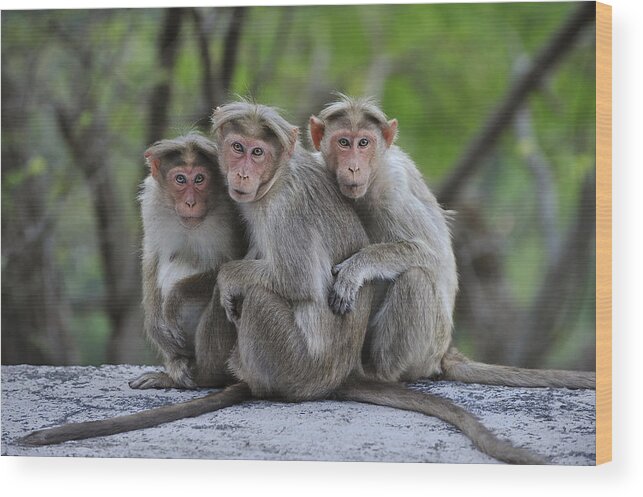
(196, 288)
(236, 277)
(385, 261)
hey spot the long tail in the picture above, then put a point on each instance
(230, 396)
(398, 396)
(457, 367)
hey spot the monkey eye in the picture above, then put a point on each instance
(181, 179)
(198, 179)
(257, 152)
(237, 147)
(363, 142)
(343, 142)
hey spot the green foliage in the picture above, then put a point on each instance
(90, 331)
(449, 67)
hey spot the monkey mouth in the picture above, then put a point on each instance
(354, 190)
(241, 196)
(191, 222)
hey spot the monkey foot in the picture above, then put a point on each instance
(159, 380)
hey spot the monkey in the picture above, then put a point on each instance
(290, 345)
(190, 228)
(410, 256)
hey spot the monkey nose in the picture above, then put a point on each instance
(190, 203)
(242, 176)
(353, 169)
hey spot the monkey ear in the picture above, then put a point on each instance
(153, 162)
(316, 129)
(293, 141)
(390, 132)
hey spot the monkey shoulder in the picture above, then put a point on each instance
(339, 222)
(405, 176)
(400, 205)
(314, 192)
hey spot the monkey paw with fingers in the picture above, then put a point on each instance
(233, 310)
(343, 294)
(230, 295)
(231, 303)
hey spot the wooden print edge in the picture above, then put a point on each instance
(603, 233)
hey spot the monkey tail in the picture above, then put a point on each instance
(457, 367)
(234, 394)
(398, 396)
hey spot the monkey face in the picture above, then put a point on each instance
(248, 164)
(189, 187)
(352, 148)
(352, 156)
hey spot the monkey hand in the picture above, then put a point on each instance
(230, 297)
(343, 294)
(173, 330)
(230, 304)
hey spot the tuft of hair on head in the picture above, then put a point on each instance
(356, 110)
(257, 117)
(190, 143)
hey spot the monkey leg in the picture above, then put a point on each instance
(213, 343)
(178, 359)
(411, 331)
(289, 350)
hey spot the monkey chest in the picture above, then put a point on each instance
(171, 271)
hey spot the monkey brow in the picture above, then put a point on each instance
(261, 122)
(368, 118)
(172, 157)
(354, 118)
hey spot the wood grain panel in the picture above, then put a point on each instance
(603, 233)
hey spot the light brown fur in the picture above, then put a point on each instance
(410, 255)
(181, 258)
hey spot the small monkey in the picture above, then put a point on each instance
(410, 329)
(190, 228)
(290, 345)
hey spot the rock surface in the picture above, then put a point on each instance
(556, 423)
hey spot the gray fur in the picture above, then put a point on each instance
(411, 256)
(290, 344)
(180, 264)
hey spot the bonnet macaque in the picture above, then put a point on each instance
(409, 334)
(191, 227)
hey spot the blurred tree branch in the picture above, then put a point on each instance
(90, 152)
(563, 275)
(160, 99)
(486, 304)
(35, 307)
(268, 68)
(545, 189)
(84, 130)
(482, 144)
(216, 82)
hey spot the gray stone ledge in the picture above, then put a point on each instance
(556, 423)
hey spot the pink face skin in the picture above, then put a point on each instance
(189, 186)
(351, 155)
(247, 163)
